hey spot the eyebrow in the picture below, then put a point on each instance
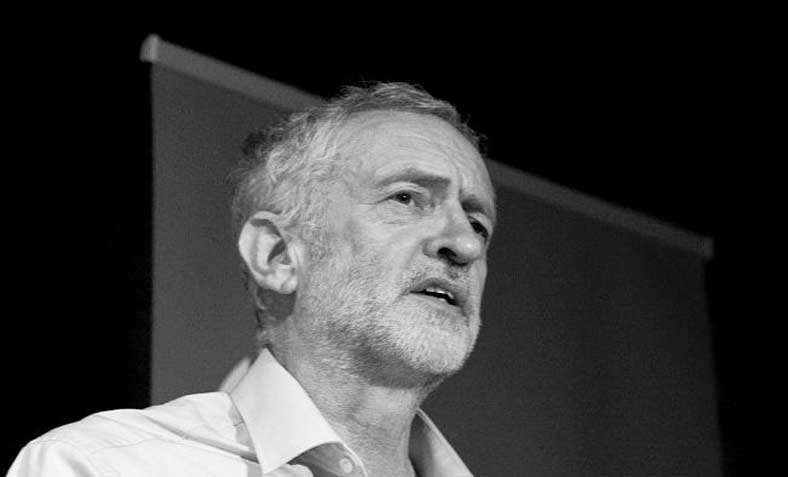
(470, 202)
(415, 175)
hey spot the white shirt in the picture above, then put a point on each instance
(266, 426)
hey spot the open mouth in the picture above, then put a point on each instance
(439, 293)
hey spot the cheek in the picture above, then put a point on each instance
(373, 237)
(353, 235)
(481, 274)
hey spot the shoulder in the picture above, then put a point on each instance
(187, 421)
(171, 421)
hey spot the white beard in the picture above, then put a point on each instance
(354, 315)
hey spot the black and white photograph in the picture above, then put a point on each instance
(438, 251)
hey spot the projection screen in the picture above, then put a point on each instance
(595, 353)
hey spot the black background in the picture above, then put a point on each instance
(672, 120)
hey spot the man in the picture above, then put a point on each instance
(364, 227)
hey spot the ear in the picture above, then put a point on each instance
(272, 258)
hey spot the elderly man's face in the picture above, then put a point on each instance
(398, 287)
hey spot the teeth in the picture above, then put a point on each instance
(441, 291)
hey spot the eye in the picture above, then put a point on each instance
(406, 198)
(480, 229)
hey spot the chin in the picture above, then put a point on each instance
(401, 343)
(435, 350)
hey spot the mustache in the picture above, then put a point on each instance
(459, 277)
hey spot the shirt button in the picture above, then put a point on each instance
(346, 465)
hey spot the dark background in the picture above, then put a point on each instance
(672, 121)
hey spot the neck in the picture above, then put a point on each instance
(372, 419)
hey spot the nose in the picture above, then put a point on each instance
(457, 242)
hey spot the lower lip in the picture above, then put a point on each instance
(437, 302)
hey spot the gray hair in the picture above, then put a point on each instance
(286, 164)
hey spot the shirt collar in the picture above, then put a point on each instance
(281, 419)
(283, 422)
(431, 453)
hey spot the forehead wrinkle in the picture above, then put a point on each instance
(370, 134)
(471, 201)
(369, 131)
(413, 174)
